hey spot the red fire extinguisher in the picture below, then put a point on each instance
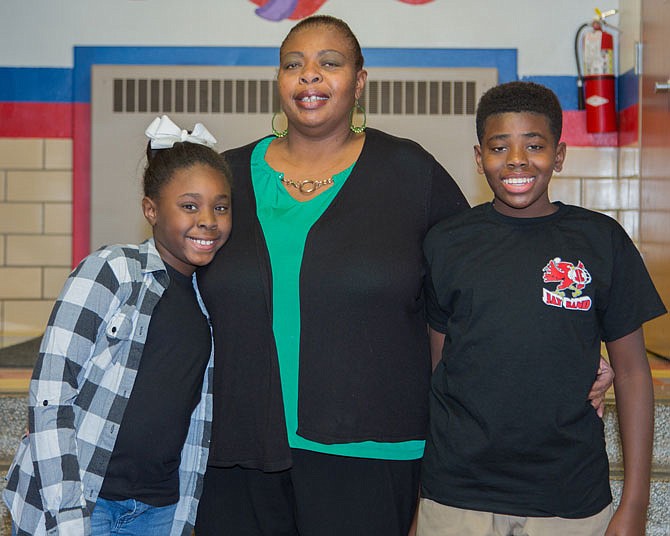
(594, 53)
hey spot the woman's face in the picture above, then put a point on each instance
(318, 81)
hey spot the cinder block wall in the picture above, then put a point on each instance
(35, 232)
(606, 179)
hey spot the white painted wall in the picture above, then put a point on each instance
(42, 33)
(629, 20)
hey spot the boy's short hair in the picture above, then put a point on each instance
(520, 97)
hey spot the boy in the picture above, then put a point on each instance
(521, 291)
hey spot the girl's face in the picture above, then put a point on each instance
(191, 219)
(318, 80)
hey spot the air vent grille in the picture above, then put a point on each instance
(236, 96)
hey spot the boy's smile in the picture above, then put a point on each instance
(518, 156)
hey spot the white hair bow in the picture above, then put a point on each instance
(163, 134)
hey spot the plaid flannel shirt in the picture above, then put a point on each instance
(85, 373)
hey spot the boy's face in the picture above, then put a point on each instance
(518, 156)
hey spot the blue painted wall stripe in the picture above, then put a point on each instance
(628, 90)
(28, 84)
(565, 88)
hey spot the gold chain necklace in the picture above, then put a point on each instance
(308, 186)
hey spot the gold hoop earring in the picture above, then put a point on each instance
(280, 133)
(357, 110)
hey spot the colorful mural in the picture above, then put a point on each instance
(277, 10)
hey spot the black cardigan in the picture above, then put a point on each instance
(364, 355)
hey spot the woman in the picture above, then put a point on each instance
(322, 356)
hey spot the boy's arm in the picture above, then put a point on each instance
(635, 407)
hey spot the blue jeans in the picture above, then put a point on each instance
(131, 518)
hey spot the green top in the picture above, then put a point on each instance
(285, 223)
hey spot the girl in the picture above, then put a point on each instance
(120, 401)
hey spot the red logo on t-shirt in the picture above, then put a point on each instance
(568, 278)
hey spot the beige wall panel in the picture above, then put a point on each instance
(58, 154)
(567, 190)
(655, 194)
(590, 162)
(54, 279)
(39, 186)
(612, 194)
(19, 218)
(655, 254)
(629, 162)
(20, 283)
(26, 317)
(18, 153)
(38, 250)
(654, 227)
(630, 221)
(58, 218)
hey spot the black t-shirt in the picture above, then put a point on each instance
(146, 457)
(524, 304)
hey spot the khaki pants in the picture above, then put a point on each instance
(436, 519)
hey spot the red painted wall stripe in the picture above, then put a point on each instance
(574, 132)
(35, 120)
(629, 125)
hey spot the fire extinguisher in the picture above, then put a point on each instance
(594, 54)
